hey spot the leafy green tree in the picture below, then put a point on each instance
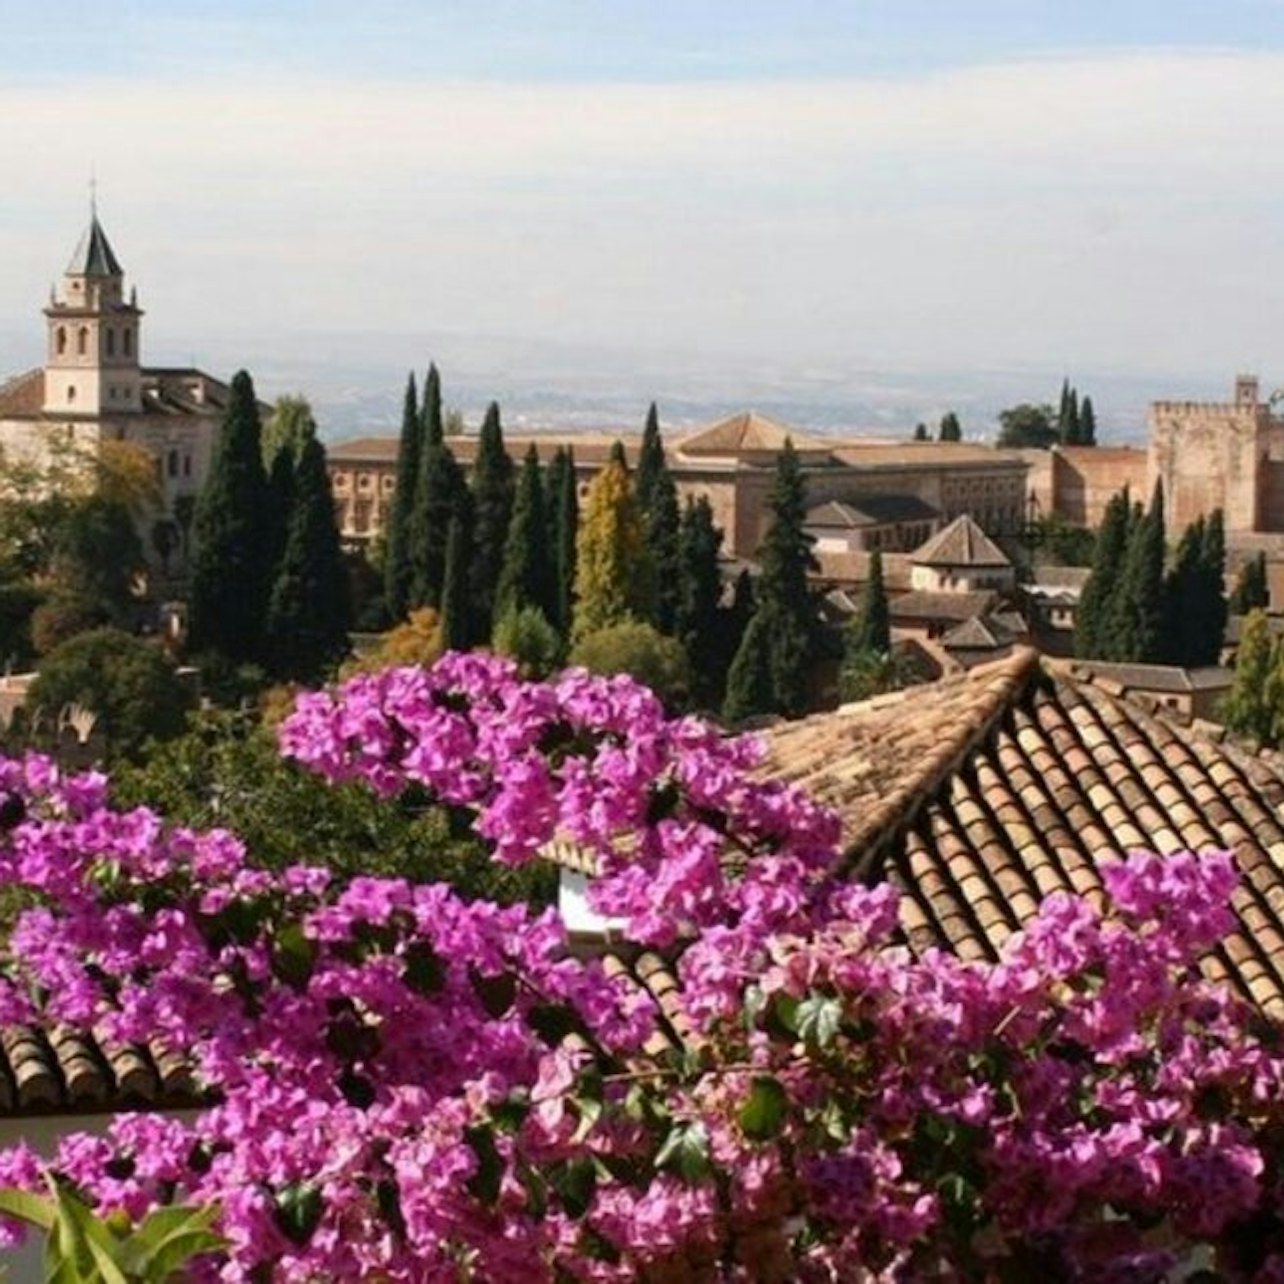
(309, 609)
(699, 623)
(1059, 542)
(638, 649)
(1254, 706)
(289, 428)
(492, 490)
(60, 616)
(527, 576)
(950, 429)
(1095, 609)
(398, 565)
(609, 549)
(1027, 425)
(1252, 588)
(528, 637)
(563, 531)
(786, 613)
(97, 555)
(456, 626)
(128, 683)
(229, 578)
(1087, 423)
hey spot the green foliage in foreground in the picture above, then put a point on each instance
(226, 771)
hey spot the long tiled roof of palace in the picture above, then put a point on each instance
(982, 793)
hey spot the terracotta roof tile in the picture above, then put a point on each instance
(961, 543)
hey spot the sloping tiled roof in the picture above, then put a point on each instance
(872, 510)
(23, 396)
(748, 431)
(57, 1070)
(1152, 677)
(940, 604)
(961, 543)
(982, 793)
(93, 255)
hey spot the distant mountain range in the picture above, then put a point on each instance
(355, 383)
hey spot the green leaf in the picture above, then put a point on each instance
(590, 1111)
(22, 1204)
(686, 1152)
(575, 1181)
(484, 1183)
(293, 956)
(94, 1247)
(168, 1238)
(782, 1017)
(818, 1020)
(764, 1111)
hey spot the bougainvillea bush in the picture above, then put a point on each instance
(406, 1086)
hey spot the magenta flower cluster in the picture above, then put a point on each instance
(406, 1086)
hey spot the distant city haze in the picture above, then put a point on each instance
(851, 217)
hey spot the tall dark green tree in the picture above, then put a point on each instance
(651, 465)
(950, 430)
(456, 626)
(1087, 423)
(526, 578)
(398, 571)
(750, 689)
(1068, 427)
(1252, 588)
(920, 432)
(441, 494)
(1135, 628)
(663, 536)
(1090, 633)
(430, 418)
(1213, 607)
(492, 490)
(308, 608)
(872, 626)
(229, 576)
(698, 623)
(785, 618)
(1184, 592)
(563, 528)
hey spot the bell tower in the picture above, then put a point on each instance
(91, 363)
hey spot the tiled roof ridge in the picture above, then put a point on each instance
(999, 686)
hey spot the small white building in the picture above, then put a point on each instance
(962, 558)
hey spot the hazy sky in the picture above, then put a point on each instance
(923, 183)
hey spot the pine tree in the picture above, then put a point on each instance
(526, 578)
(608, 551)
(563, 529)
(456, 627)
(1252, 588)
(1090, 633)
(785, 615)
(229, 577)
(698, 620)
(308, 609)
(397, 565)
(651, 463)
(492, 490)
(1253, 705)
(1087, 423)
(1135, 628)
(432, 428)
(441, 494)
(950, 430)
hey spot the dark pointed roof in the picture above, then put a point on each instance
(94, 256)
(961, 543)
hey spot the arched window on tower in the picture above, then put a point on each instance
(60, 342)
(82, 340)
(71, 392)
(111, 342)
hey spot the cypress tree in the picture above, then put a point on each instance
(1136, 622)
(750, 689)
(1213, 610)
(526, 578)
(1183, 599)
(1091, 620)
(1252, 588)
(609, 550)
(229, 575)
(441, 494)
(397, 565)
(697, 623)
(492, 490)
(651, 464)
(663, 539)
(950, 429)
(308, 610)
(920, 432)
(563, 528)
(871, 632)
(432, 428)
(1087, 423)
(456, 628)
